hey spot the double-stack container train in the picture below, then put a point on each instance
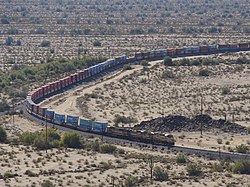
(34, 97)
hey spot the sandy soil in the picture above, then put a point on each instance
(145, 95)
(67, 167)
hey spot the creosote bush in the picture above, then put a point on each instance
(3, 134)
(242, 149)
(107, 148)
(160, 174)
(127, 67)
(131, 181)
(38, 139)
(194, 169)
(181, 159)
(123, 119)
(241, 166)
(71, 140)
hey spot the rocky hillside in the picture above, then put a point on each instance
(182, 123)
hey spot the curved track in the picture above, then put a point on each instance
(212, 154)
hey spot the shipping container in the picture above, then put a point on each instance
(59, 118)
(152, 54)
(180, 51)
(99, 126)
(86, 124)
(36, 109)
(213, 48)
(163, 52)
(196, 49)
(78, 77)
(188, 50)
(243, 46)
(171, 51)
(29, 103)
(138, 56)
(81, 75)
(223, 47)
(145, 55)
(204, 49)
(49, 114)
(72, 120)
(233, 47)
(41, 111)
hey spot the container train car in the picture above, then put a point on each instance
(34, 97)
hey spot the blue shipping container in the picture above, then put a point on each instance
(59, 118)
(86, 124)
(50, 114)
(72, 120)
(99, 126)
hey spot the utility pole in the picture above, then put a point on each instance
(46, 126)
(201, 104)
(102, 132)
(152, 140)
(201, 112)
(151, 165)
(13, 109)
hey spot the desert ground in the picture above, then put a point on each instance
(39, 32)
(144, 94)
(26, 166)
(72, 27)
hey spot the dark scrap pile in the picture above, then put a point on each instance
(182, 123)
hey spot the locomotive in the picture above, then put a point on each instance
(33, 98)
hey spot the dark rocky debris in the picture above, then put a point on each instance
(182, 123)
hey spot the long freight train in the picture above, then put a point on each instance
(33, 98)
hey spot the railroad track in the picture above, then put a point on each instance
(210, 154)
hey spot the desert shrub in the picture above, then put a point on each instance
(47, 183)
(4, 106)
(160, 174)
(204, 72)
(71, 140)
(8, 175)
(28, 138)
(45, 43)
(241, 166)
(107, 148)
(30, 173)
(40, 143)
(219, 141)
(38, 139)
(217, 167)
(248, 129)
(145, 63)
(131, 181)
(225, 91)
(95, 145)
(97, 43)
(181, 159)
(168, 61)
(105, 166)
(242, 149)
(168, 75)
(194, 169)
(127, 67)
(123, 119)
(3, 134)
(137, 31)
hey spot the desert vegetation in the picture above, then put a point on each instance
(99, 163)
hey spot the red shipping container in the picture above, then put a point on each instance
(171, 51)
(179, 51)
(243, 45)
